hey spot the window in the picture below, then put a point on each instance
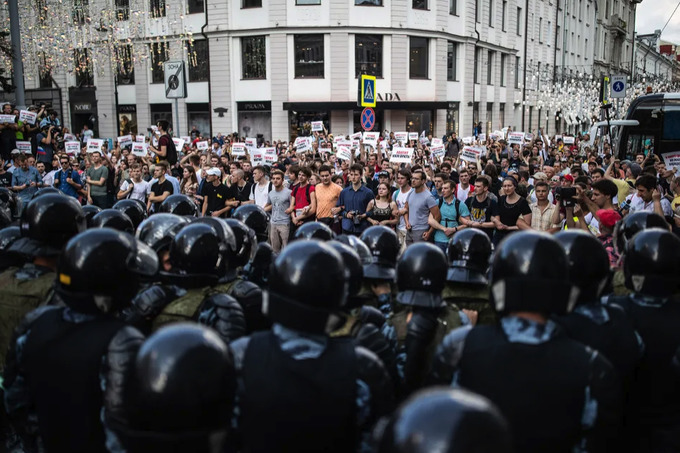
(45, 72)
(157, 8)
(504, 14)
(504, 62)
(125, 74)
(80, 11)
(604, 51)
(453, 7)
(548, 37)
(419, 58)
(254, 57)
(491, 13)
(517, 69)
(451, 60)
(419, 4)
(585, 49)
(489, 117)
(606, 9)
(489, 68)
(83, 67)
(197, 52)
(477, 13)
(368, 55)
(540, 30)
(519, 21)
(195, 6)
(501, 113)
(122, 9)
(476, 66)
(309, 56)
(356, 2)
(251, 4)
(159, 55)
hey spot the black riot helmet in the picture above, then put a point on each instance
(358, 245)
(106, 265)
(421, 275)
(384, 246)
(180, 393)
(307, 286)
(197, 255)
(113, 218)
(314, 230)
(7, 236)
(255, 218)
(257, 269)
(9, 202)
(227, 240)
(633, 223)
(47, 224)
(588, 263)
(90, 210)
(133, 209)
(6, 196)
(5, 218)
(353, 268)
(180, 205)
(46, 190)
(245, 243)
(652, 263)
(444, 420)
(158, 230)
(530, 273)
(468, 252)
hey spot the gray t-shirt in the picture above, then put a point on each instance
(419, 205)
(280, 201)
(96, 175)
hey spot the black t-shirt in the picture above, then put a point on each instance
(6, 179)
(171, 151)
(159, 188)
(509, 213)
(240, 193)
(482, 211)
(217, 196)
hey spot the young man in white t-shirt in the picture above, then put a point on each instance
(136, 188)
(261, 188)
(399, 197)
(463, 187)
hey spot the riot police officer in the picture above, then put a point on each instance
(444, 420)
(179, 204)
(191, 411)
(380, 274)
(157, 232)
(115, 219)
(651, 267)
(255, 218)
(314, 230)
(545, 383)
(467, 286)
(257, 269)
(314, 372)
(89, 211)
(47, 223)
(7, 236)
(133, 209)
(54, 392)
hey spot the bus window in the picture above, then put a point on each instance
(639, 143)
(671, 120)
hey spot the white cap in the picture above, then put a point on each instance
(214, 171)
(15, 151)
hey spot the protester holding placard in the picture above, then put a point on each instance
(45, 145)
(165, 150)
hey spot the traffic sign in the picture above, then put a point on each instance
(604, 90)
(367, 119)
(619, 86)
(175, 80)
(367, 95)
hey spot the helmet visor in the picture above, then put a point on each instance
(144, 262)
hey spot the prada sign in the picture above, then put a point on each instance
(389, 97)
(254, 106)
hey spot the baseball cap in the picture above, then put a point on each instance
(383, 174)
(569, 178)
(214, 171)
(608, 217)
(15, 151)
(540, 175)
(635, 169)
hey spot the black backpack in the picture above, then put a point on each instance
(295, 189)
(171, 151)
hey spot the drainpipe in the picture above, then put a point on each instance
(526, 41)
(477, 70)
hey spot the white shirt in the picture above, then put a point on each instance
(48, 179)
(400, 199)
(637, 204)
(259, 193)
(139, 190)
(462, 194)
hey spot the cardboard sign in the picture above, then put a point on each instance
(343, 153)
(413, 136)
(139, 139)
(203, 145)
(238, 149)
(179, 143)
(468, 140)
(27, 117)
(401, 137)
(186, 139)
(355, 136)
(317, 126)
(672, 160)
(437, 142)
(402, 155)
(71, 147)
(94, 145)
(24, 147)
(257, 157)
(251, 142)
(437, 150)
(471, 153)
(516, 137)
(569, 140)
(303, 144)
(8, 119)
(140, 149)
(125, 141)
(371, 138)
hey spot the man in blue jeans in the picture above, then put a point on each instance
(420, 204)
(67, 179)
(454, 217)
(353, 201)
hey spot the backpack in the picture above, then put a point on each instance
(456, 202)
(171, 151)
(295, 189)
(269, 189)
(129, 181)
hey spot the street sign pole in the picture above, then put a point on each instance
(175, 88)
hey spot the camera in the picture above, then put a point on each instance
(568, 196)
(355, 218)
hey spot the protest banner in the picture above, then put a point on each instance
(568, 140)
(70, 137)
(187, 139)
(140, 149)
(437, 142)
(672, 161)
(437, 150)
(344, 153)
(528, 136)
(203, 145)
(317, 126)
(24, 146)
(9, 119)
(401, 155)
(413, 136)
(94, 145)
(516, 137)
(471, 153)
(238, 149)
(125, 141)
(257, 157)
(480, 138)
(179, 143)
(27, 117)
(303, 144)
(355, 136)
(139, 138)
(270, 157)
(371, 139)
(71, 147)
(468, 140)
(401, 137)
(250, 142)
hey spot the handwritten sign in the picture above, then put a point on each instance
(516, 137)
(139, 138)
(401, 137)
(8, 119)
(238, 149)
(24, 147)
(140, 149)
(203, 145)
(672, 160)
(343, 153)
(94, 145)
(72, 147)
(471, 153)
(317, 125)
(27, 117)
(401, 155)
(125, 141)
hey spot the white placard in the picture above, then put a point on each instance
(371, 138)
(437, 150)
(125, 140)
(558, 137)
(481, 138)
(402, 155)
(495, 136)
(401, 137)
(500, 134)
(516, 137)
(186, 139)
(568, 140)
(94, 145)
(140, 149)
(346, 143)
(251, 142)
(355, 136)
(317, 125)
(270, 156)
(303, 144)
(70, 137)
(72, 147)
(8, 119)
(468, 140)
(257, 157)
(413, 136)
(344, 153)
(24, 147)
(355, 144)
(672, 160)
(238, 149)
(203, 145)
(27, 117)
(140, 139)
(528, 136)
(471, 153)
(179, 143)
(437, 142)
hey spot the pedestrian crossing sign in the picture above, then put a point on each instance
(367, 88)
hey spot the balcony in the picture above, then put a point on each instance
(618, 25)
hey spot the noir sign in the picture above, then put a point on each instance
(82, 107)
